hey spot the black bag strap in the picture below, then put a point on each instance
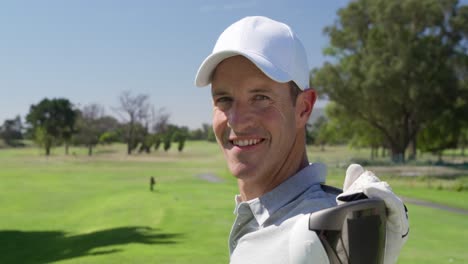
(331, 189)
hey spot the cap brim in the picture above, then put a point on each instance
(206, 69)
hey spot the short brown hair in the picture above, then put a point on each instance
(294, 90)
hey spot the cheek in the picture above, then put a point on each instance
(281, 124)
(219, 122)
(280, 116)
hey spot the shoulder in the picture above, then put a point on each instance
(310, 201)
(317, 198)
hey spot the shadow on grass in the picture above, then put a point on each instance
(37, 247)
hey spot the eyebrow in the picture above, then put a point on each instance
(218, 93)
(255, 90)
(260, 90)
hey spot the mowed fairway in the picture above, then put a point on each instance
(76, 209)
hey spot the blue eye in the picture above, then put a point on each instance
(223, 100)
(261, 97)
(223, 103)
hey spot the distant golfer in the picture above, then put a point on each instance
(262, 102)
(152, 183)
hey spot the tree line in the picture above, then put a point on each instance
(54, 122)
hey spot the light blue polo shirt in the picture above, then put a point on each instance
(260, 233)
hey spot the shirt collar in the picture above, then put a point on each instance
(263, 207)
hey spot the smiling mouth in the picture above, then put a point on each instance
(246, 142)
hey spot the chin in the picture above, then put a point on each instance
(243, 172)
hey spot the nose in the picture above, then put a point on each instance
(240, 117)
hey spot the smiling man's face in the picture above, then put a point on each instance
(255, 122)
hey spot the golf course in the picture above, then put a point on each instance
(99, 209)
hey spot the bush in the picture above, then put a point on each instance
(157, 142)
(167, 143)
(179, 137)
(460, 187)
(108, 138)
(181, 145)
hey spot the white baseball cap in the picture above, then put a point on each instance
(271, 45)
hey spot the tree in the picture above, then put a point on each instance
(315, 129)
(52, 121)
(205, 132)
(161, 121)
(146, 143)
(114, 131)
(357, 133)
(136, 109)
(196, 134)
(463, 140)
(337, 128)
(173, 133)
(181, 144)
(395, 64)
(210, 135)
(180, 137)
(167, 142)
(109, 137)
(157, 141)
(440, 134)
(90, 126)
(10, 131)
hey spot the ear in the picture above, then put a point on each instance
(304, 105)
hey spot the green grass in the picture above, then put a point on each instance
(76, 209)
(435, 237)
(458, 199)
(100, 210)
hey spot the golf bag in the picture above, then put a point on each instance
(353, 232)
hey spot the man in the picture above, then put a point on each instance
(259, 79)
(152, 183)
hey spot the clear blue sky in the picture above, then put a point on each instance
(89, 51)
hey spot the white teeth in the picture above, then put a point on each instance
(246, 142)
